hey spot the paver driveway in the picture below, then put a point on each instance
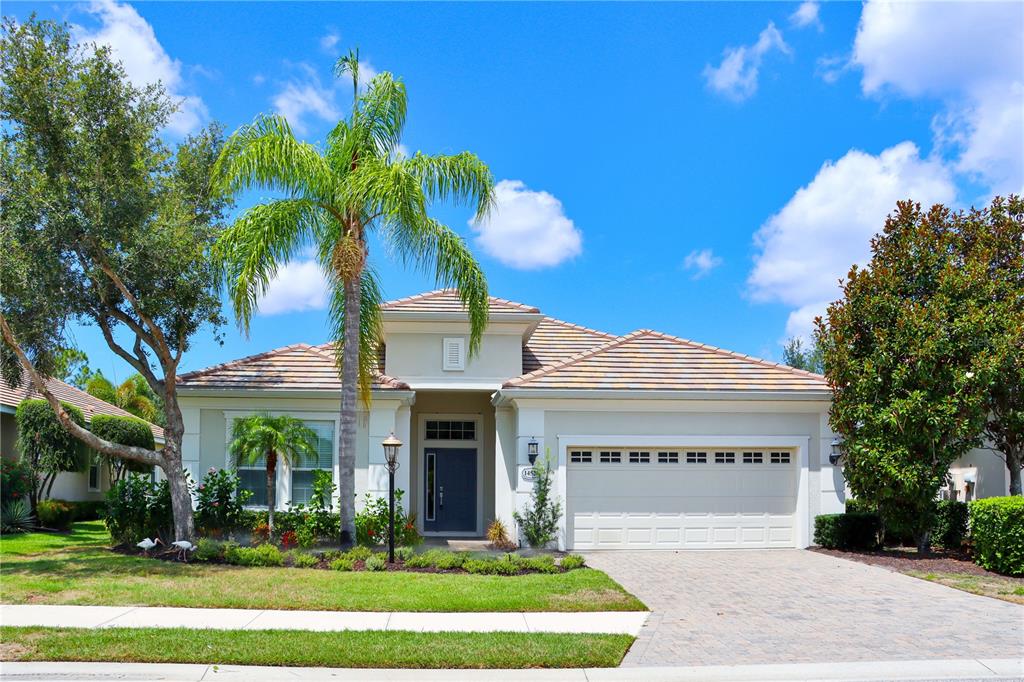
(774, 606)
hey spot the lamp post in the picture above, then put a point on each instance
(391, 446)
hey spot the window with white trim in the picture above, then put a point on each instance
(453, 354)
(252, 476)
(725, 458)
(780, 458)
(668, 458)
(753, 458)
(611, 457)
(696, 458)
(95, 467)
(581, 456)
(302, 470)
(639, 457)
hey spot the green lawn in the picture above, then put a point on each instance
(77, 568)
(997, 586)
(372, 649)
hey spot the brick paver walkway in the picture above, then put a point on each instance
(795, 606)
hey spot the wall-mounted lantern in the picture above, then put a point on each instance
(837, 451)
(532, 450)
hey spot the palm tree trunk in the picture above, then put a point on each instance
(271, 491)
(347, 437)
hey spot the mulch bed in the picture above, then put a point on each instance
(903, 559)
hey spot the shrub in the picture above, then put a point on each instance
(505, 567)
(46, 446)
(359, 553)
(479, 566)
(544, 563)
(342, 564)
(372, 523)
(997, 527)
(208, 550)
(539, 521)
(437, 558)
(263, 555)
(57, 514)
(261, 533)
(126, 431)
(404, 553)
(303, 559)
(15, 480)
(220, 501)
(377, 562)
(497, 535)
(950, 523)
(852, 530)
(89, 510)
(16, 516)
(572, 561)
(857, 505)
(289, 539)
(304, 537)
(137, 508)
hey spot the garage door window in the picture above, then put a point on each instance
(696, 458)
(611, 457)
(668, 458)
(753, 458)
(780, 458)
(725, 458)
(637, 457)
(581, 456)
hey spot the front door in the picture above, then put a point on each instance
(449, 490)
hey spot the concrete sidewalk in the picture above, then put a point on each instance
(613, 622)
(965, 669)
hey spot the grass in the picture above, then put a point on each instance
(353, 649)
(1007, 589)
(78, 568)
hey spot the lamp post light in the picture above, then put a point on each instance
(391, 446)
(837, 451)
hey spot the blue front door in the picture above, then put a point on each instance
(449, 489)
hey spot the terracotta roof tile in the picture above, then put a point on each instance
(88, 404)
(649, 360)
(554, 341)
(299, 367)
(447, 301)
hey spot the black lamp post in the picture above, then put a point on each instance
(391, 446)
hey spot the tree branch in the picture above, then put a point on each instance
(137, 361)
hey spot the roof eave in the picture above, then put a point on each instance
(506, 394)
(234, 392)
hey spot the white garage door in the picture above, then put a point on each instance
(633, 498)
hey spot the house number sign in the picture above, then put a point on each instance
(529, 474)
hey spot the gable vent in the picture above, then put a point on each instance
(454, 354)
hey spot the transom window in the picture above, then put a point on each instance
(780, 458)
(725, 458)
(611, 457)
(446, 429)
(696, 458)
(637, 457)
(668, 458)
(581, 456)
(753, 458)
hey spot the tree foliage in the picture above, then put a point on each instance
(125, 431)
(795, 354)
(104, 224)
(901, 352)
(133, 395)
(46, 446)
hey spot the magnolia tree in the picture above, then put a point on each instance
(103, 225)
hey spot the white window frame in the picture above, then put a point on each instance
(97, 463)
(300, 465)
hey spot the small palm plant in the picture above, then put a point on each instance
(274, 438)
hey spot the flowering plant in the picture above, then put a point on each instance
(289, 539)
(372, 522)
(220, 501)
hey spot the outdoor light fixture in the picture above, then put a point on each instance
(532, 450)
(391, 447)
(837, 451)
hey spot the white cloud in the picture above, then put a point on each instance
(527, 229)
(807, 15)
(701, 262)
(133, 42)
(805, 248)
(736, 76)
(329, 43)
(304, 97)
(300, 285)
(969, 55)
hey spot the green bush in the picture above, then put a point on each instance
(56, 514)
(126, 431)
(544, 563)
(89, 510)
(378, 562)
(342, 564)
(950, 524)
(852, 530)
(15, 480)
(137, 508)
(359, 553)
(46, 446)
(539, 520)
(208, 549)
(479, 566)
(299, 559)
(572, 561)
(263, 555)
(997, 527)
(505, 567)
(404, 553)
(372, 523)
(16, 517)
(856, 505)
(220, 501)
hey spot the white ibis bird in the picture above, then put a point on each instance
(148, 544)
(184, 547)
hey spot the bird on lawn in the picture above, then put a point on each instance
(184, 547)
(148, 544)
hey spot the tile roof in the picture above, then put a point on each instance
(88, 404)
(299, 367)
(447, 301)
(554, 341)
(649, 360)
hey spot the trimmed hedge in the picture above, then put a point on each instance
(852, 530)
(56, 514)
(950, 524)
(997, 527)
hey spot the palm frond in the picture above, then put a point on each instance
(382, 111)
(462, 178)
(371, 333)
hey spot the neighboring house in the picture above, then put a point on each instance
(658, 442)
(85, 485)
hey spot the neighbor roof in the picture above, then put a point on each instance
(649, 360)
(88, 404)
(448, 301)
(299, 367)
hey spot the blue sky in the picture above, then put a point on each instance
(706, 170)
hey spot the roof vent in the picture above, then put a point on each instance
(454, 354)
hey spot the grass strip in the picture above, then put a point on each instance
(353, 649)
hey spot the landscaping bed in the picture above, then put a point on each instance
(351, 649)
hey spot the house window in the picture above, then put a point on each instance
(639, 457)
(753, 458)
(581, 456)
(444, 429)
(696, 458)
(454, 354)
(780, 458)
(611, 457)
(725, 458)
(303, 469)
(95, 465)
(252, 476)
(668, 458)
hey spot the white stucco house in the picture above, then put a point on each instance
(658, 442)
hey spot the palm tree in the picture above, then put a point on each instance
(270, 438)
(134, 395)
(334, 200)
